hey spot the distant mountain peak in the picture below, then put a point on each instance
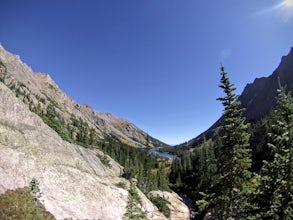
(259, 97)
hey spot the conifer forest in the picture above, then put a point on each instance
(245, 170)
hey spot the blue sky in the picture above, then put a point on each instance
(153, 62)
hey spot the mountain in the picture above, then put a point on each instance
(67, 173)
(40, 128)
(258, 98)
(43, 96)
(73, 180)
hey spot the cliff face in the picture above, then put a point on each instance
(259, 97)
(38, 91)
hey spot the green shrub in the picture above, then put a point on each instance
(162, 205)
(121, 185)
(134, 211)
(104, 159)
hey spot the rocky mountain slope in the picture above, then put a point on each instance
(75, 182)
(258, 98)
(41, 94)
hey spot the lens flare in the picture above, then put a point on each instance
(287, 3)
(285, 10)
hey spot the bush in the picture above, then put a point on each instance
(105, 160)
(134, 211)
(162, 205)
(121, 185)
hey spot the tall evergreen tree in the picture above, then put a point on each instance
(230, 197)
(276, 175)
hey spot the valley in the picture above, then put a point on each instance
(85, 160)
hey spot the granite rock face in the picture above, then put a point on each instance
(74, 182)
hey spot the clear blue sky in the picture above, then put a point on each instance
(153, 62)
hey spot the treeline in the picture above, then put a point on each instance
(74, 130)
(150, 171)
(245, 172)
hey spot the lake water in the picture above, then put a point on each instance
(162, 154)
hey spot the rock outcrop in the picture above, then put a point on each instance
(149, 209)
(178, 209)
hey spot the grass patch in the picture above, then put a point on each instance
(20, 204)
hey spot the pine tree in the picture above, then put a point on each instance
(232, 187)
(36, 194)
(276, 175)
(35, 190)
